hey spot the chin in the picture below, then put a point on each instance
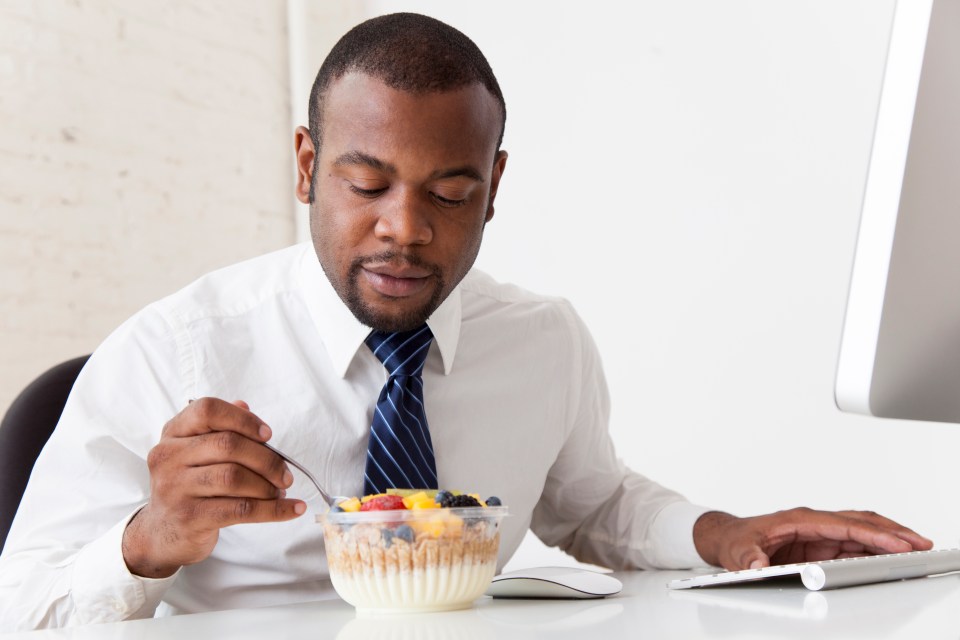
(394, 323)
(391, 317)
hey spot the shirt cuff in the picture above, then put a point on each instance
(671, 535)
(104, 590)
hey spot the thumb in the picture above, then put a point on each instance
(243, 405)
(755, 558)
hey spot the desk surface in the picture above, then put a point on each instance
(924, 608)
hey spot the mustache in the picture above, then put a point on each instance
(397, 258)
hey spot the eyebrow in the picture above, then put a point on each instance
(361, 158)
(466, 171)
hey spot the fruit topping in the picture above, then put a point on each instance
(403, 493)
(383, 503)
(410, 499)
(351, 505)
(420, 500)
(454, 502)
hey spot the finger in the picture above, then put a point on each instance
(916, 540)
(819, 550)
(856, 549)
(754, 558)
(224, 512)
(230, 447)
(229, 480)
(849, 546)
(842, 528)
(830, 549)
(243, 405)
(204, 415)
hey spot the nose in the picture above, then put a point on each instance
(404, 220)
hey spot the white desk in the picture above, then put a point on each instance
(925, 608)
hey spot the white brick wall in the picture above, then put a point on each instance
(141, 144)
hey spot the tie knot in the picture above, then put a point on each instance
(402, 353)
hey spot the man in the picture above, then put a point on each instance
(131, 508)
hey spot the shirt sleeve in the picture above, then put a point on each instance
(631, 522)
(62, 564)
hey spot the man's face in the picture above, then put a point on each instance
(403, 186)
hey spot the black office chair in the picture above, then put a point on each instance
(26, 427)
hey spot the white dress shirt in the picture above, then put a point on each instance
(517, 408)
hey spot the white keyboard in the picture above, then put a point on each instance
(845, 572)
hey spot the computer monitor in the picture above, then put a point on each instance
(900, 351)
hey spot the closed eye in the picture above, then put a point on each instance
(447, 202)
(366, 193)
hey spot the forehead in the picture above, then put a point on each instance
(362, 113)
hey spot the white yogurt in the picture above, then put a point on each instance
(439, 588)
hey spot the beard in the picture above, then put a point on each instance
(406, 320)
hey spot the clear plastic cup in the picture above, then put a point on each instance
(416, 560)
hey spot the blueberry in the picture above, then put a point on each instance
(387, 536)
(336, 509)
(493, 501)
(404, 532)
(441, 496)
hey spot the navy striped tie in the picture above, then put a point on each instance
(400, 454)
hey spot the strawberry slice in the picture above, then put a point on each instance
(383, 503)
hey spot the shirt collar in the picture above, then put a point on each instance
(344, 335)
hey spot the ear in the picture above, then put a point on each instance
(305, 155)
(499, 164)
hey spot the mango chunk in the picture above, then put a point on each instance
(350, 505)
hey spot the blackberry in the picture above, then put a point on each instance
(454, 502)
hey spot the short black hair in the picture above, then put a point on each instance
(408, 52)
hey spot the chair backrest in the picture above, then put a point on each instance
(26, 427)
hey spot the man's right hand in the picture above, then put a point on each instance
(209, 470)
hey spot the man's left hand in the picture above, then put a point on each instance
(799, 535)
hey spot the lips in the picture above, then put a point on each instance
(396, 281)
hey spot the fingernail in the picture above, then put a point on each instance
(756, 564)
(265, 432)
(299, 508)
(287, 478)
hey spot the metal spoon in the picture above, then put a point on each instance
(330, 500)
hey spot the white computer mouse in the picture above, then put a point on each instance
(553, 582)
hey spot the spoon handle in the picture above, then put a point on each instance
(326, 497)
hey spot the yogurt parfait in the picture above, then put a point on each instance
(412, 550)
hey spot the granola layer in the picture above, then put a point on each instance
(364, 548)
